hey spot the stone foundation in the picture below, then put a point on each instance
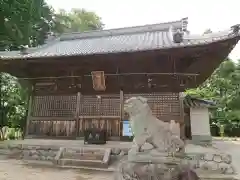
(210, 163)
(207, 162)
(29, 152)
(61, 157)
(145, 171)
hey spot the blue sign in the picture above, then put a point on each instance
(127, 129)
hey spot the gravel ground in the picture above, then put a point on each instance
(12, 170)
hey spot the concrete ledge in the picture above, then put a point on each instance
(226, 138)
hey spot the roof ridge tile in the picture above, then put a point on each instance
(123, 31)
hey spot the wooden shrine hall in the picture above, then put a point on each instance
(80, 80)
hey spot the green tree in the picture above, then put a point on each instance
(13, 98)
(223, 88)
(77, 20)
(29, 22)
(25, 22)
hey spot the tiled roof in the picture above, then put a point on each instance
(140, 38)
(191, 102)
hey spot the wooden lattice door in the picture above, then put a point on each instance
(101, 112)
(53, 116)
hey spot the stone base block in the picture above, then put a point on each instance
(201, 139)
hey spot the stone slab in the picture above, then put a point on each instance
(201, 139)
(87, 157)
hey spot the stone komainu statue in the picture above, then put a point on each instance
(156, 163)
(148, 129)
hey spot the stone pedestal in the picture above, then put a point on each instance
(170, 170)
(201, 139)
(152, 164)
(167, 160)
(200, 126)
(154, 156)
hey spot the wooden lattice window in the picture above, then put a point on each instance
(162, 104)
(54, 106)
(100, 105)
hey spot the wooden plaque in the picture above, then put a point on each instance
(98, 79)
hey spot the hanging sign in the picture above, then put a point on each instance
(98, 79)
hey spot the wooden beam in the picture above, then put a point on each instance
(110, 75)
(95, 117)
(181, 121)
(78, 105)
(121, 112)
(121, 104)
(33, 118)
(30, 104)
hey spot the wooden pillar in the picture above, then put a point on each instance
(29, 114)
(181, 121)
(121, 112)
(77, 113)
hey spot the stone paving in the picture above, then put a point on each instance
(13, 169)
(232, 148)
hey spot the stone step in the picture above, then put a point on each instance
(84, 157)
(109, 169)
(5, 152)
(84, 163)
(8, 153)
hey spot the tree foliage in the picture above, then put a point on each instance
(29, 22)
(13, 102)
(223, 88)
(24, 22)
(78, 20)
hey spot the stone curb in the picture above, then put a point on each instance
(226, 139)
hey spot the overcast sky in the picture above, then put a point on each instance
(203, 14)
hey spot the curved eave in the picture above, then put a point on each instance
(191, 102)
(204, 54)
(216, 52)
(206, 64)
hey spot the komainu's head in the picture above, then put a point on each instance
(136, 105)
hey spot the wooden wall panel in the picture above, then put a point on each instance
(70, 115)
(109, 124)
(52, 128)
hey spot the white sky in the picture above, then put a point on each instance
(203, 14)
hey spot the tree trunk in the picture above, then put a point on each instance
(1, 134)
